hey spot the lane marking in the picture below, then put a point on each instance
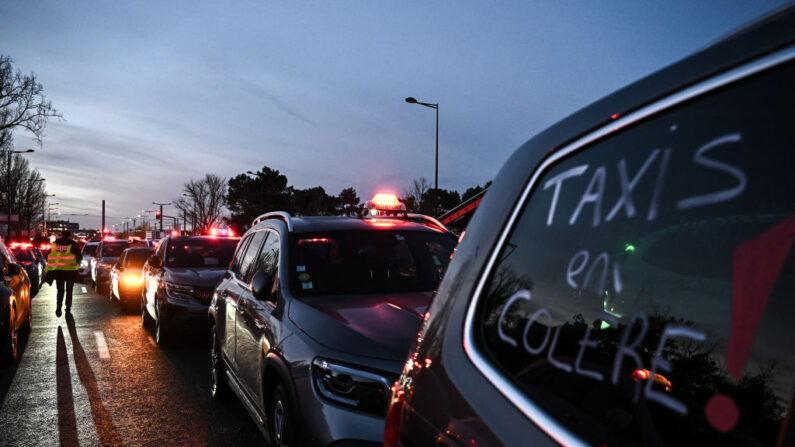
(102, 345)
(83, 288)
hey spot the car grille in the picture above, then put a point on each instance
(203, 296)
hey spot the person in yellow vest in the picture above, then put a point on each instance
(62, 264)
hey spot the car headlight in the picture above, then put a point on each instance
(363, 390)
(83, 263)
(178, 290)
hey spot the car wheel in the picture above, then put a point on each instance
(161, 332)
(219, 388)
(11, 342)
(29, 323)
(280, 418)
(146, 320)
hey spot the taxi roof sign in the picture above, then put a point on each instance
(381, 203)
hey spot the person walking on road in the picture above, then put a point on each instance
(62, 264)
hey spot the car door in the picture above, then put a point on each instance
(115, 274)
(152, 276)
(17, 283)
(228, 299)
(256, 331)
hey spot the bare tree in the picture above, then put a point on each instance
(23, 190)
(413, 194)
(203, 201)
(22, 103)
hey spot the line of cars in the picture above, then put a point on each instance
(16, 316)
(631, 286)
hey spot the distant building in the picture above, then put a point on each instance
(56, 226)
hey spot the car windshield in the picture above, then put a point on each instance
(90, 250)
(373, 261)
(201, 252)
(135, 259)
(113, 250)
(22, 254)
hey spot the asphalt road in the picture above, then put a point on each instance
(99, 378)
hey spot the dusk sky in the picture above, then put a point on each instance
(156, 93)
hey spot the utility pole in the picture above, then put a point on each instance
(102, 230)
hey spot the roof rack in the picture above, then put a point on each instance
(275, 215)
(426, 218)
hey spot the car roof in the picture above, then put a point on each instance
(311, 224)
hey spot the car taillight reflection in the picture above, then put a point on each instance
(644, 374)
(393, 416)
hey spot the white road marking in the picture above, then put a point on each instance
(83, 288)
(102, 345)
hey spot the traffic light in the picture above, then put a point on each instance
(157, 215)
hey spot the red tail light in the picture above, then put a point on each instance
(394, 416)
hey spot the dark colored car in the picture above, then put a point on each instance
(126, 277)
(15, 310)
(108, 252)
(180, 279)
(629, 277)
(27, 258)
(315, 317)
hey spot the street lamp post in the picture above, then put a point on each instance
(27, 201)
(411, 100)
(8, 179)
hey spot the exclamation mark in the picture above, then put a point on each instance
(756, 264)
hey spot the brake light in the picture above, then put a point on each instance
(45, 246)
(21, 245)
(313, 240)
(394, 416)
(132, 280)
(640, 374)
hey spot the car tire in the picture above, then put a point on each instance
(146, 319)
(219, 388)
(10, 347)
(280, 418)
(161, 331)
(28, 327)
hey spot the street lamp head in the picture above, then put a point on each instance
(29, 150)
(411, 100)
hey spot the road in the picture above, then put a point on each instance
(98, 378)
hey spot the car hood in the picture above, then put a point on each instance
(379, 326)
(198, 277)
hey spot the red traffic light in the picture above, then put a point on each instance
(157, 214)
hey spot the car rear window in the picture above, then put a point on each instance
(90, 250)
(644, 295)
(205, 252)
(373, 261)
(136, 259)
(113, 250)
(22, 254)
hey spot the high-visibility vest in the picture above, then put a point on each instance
(60, 258)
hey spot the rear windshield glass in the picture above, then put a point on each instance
(376, 261)
(113, 250)
(89, 250)
(22, 254)
(136, 259)
(205, 252)
(646, 293)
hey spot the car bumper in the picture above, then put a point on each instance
(187, 312)
(335, 425)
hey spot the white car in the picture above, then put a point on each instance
(89, 251)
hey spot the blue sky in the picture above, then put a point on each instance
(156, 93)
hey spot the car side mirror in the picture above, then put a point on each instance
(154, 261)
(14, 269)
(261, 286)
